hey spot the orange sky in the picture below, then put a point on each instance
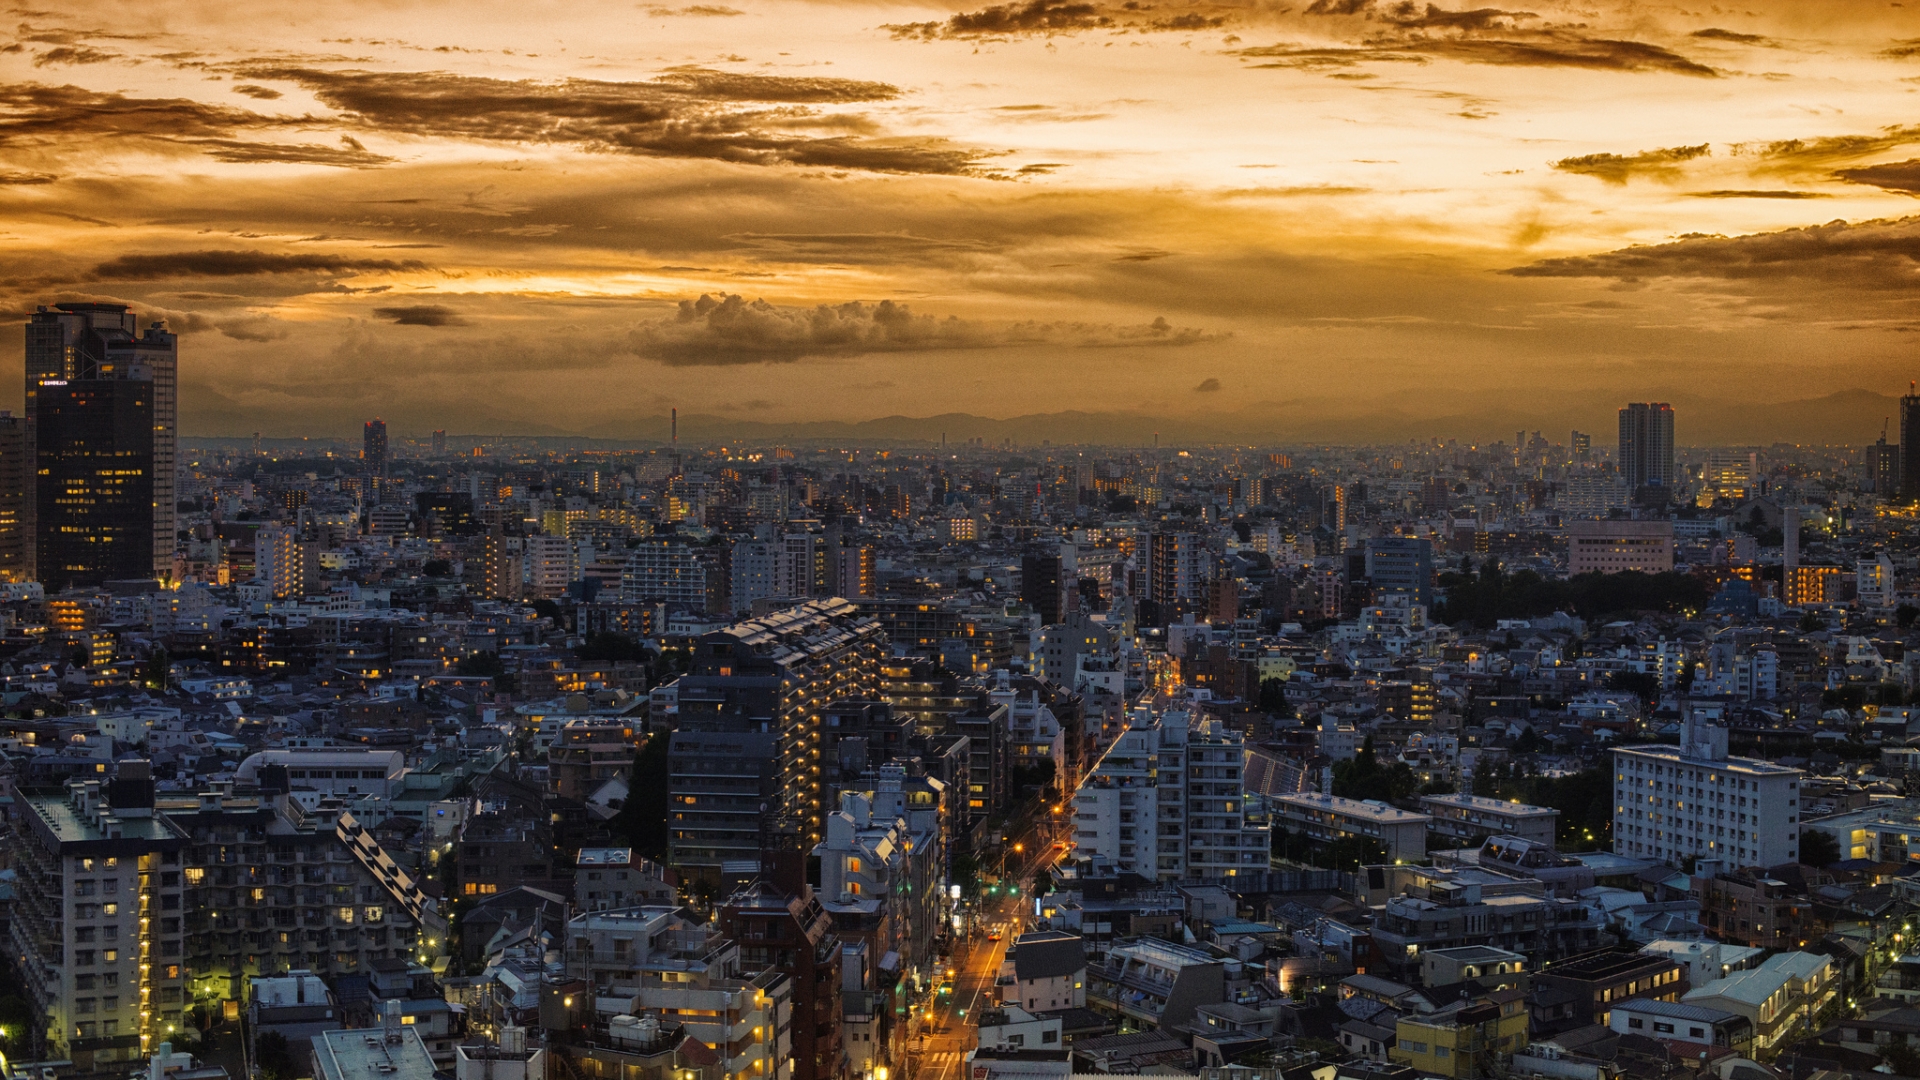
(501, 217)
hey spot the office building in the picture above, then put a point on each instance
(439, 441)
(1402, 834)
(1883, 467)
(1169, 801)
(373, 447)
(1581, 446)
(1694, 800)
(1609, 546)
(750, 720)
(1646, 445)
(1730, 474)
(1908, 486)
(102, 417)
(16, 491)
(1401, 566)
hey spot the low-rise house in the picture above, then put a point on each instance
(1712, 1030)
(1781, 996)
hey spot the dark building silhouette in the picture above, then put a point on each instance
(16, 487)
(1646, 445)
(1909, 467)
(101, 433)
(373, 447)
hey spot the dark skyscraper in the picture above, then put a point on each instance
(1646, 445)
(16, 486)
(101, 432)
(1909, 469)
(439, 442)
(373, 447)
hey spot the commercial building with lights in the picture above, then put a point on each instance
(1695, 800)
(102, 418)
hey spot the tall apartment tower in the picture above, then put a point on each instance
(1909, 465)
(373, 447)
(439, 442)
(102, 435)
(1646, 445)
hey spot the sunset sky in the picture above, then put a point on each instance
(539, 217)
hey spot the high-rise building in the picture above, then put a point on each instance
(503, 566)
(745, 763)
(288, 567)
(1582, 446)
(1909, 483)
(102, 434)
(373, 447)
(854, 566)
(439, 442)
(99, 961)
(1883, 466)
(1047, 582)
(1174, 576)
(1646, 445)
(16, 489)
(1401, 566)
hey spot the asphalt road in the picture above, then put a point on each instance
(939, 1052)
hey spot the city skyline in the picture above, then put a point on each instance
(1360, 217)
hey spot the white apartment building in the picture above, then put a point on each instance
(1875, 580)
(1168, 800)
(753, 577)
(1471, 817)
(549, 565)
(1329, 817)
(1672, 802)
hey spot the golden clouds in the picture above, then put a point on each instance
(1032, 199)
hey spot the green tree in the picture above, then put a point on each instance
(1818, 848)
(642, 820)
(602, 648)
(274, 1057)
(1273, 698)
(154, 673)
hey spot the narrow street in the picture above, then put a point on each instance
(940, 1051)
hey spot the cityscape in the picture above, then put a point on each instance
(953, 540)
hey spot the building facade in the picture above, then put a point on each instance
(1671, 803)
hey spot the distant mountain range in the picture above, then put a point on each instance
(1847, 417)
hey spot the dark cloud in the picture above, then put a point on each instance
(1714, 33)
(260, 329)
(191, 264)
(1903, 50)
(1436, 18)
(710, 11)
(420, 315)
(1208, 386)
(689, 112)
(348, 155)
(263, 93)
(11, 178)
(1825, 152)
(1901, 176)
(35, 111)
(1411, 32)
(1757, 193)
(731, 330)
(1618, 168)
(75, 55)
(1048, 17)
(1868, 255)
